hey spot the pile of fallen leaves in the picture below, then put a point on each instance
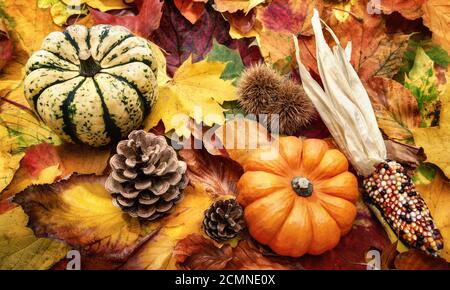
(52, 197)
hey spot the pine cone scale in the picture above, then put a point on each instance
(147, 179)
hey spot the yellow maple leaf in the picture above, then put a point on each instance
(437, 196)
(436, 140)
(196, 91)
(79, 212)
(32, 24)
(157, 253)
(9, 161)
(20, 249)
(60, 11)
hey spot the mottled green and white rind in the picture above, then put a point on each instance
(96, 109)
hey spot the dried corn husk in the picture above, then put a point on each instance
(344, 105)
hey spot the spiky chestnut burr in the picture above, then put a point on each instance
(392, 191)
(262, 90)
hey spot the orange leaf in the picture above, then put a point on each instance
(410, 9)
(192, 10)
(216, 174)
(395, 107)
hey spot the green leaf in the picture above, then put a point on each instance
(423, 83)
(439, 55)
(425, 173)
(221, 53)
(20, 249)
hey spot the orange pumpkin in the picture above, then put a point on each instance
(302, 200)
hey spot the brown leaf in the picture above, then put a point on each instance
(196, 252)
(407, 154)
(143, 24)
(388, 255)
(395, 107)
(216, 174)
(410, 9)
(417, 260)
(374, 52)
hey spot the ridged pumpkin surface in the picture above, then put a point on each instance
(289, 223)
(93, 85)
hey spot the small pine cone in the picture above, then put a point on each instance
(392, 191)
(147, 179)
(223, 220)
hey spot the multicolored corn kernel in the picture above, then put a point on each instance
(392, 191)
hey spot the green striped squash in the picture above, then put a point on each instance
(92, 86)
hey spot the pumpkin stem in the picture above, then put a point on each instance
(89, 67)
(302, 186)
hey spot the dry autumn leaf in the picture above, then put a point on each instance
(417, 260)
(436, 17)
(437, 196)
(143, 24)
(435, 140)
(192, 10)
(217, 175)
(236, 5)
(196, 91)
(102, 5)
(157, 253)
(6, 45)
(196, 252)
(239, 137)
(275, 37)
(79, 212)
(410, 9)
(20, 249)
(46, 163)
(395, 107)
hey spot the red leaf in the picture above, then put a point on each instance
(40, 157)
(241, 21)
(410, 9)
(143, 24)
(6, 45)
(417, 260)
(179, 38)
(195, 252)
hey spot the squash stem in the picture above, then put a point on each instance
(89, 67)
(302, 186)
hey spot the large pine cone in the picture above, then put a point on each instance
(223, 220)
(147, 179)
